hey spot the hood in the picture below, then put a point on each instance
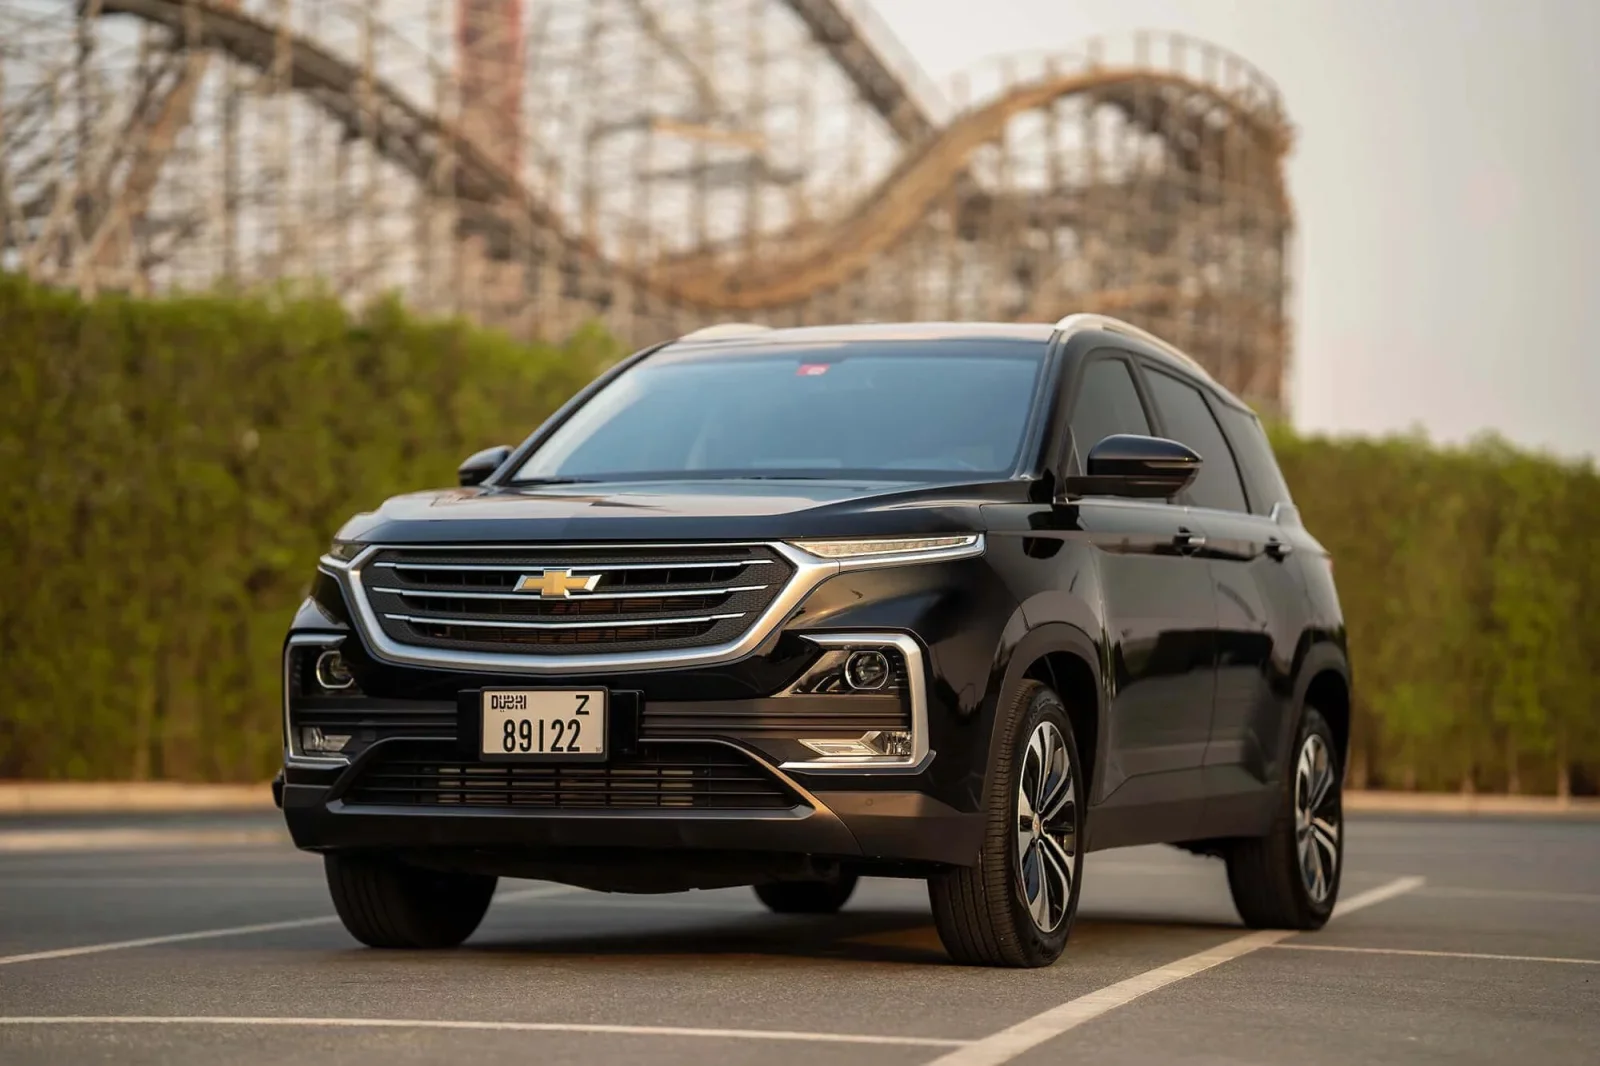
(679, 511)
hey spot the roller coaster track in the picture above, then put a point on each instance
(1180, 109)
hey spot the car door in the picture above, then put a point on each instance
(1157, 609)
(1260, 601)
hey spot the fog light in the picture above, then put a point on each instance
(313, 739)
(333, 672)
(878, 744)
(867, 670)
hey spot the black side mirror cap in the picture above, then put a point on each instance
(479, 465)
(1125, 464)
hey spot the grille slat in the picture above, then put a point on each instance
(642, 599)
(675, 776)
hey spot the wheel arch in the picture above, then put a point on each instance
(1324, 683)
(1063, 657)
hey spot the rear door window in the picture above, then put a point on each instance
(1188, 419)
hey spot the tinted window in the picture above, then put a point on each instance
(1107, 403)
(903, 410)
(1188, 419)
(1261, 474)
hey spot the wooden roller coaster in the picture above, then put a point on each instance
(657, 164)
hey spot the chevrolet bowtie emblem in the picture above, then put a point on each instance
(556, 584)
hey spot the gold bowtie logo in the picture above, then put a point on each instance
(556, 584)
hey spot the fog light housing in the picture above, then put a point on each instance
(878, 744)
(332, 672)
(313, 739)
(867, 671)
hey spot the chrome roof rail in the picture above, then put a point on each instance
(1080, 322)
(724, 329)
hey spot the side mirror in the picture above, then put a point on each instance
(480, 465)
(1125, 464)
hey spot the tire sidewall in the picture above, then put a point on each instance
(1311, 721)
(1044, 705)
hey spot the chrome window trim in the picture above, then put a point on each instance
(916, 688)
(291, 755)
(809, 572)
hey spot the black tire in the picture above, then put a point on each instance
(982, 912)
(1273, 881)
(386, 904)
(807, 897)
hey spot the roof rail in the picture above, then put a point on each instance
(724, 329)
(1080, 322)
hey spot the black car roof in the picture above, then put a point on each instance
(876, 332)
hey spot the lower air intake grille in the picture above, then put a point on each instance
(671, 776)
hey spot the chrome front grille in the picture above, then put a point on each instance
(599, 599)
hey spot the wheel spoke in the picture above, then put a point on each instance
(1039, 902)
(1057, 796)
(1057, 861)
(1042, 745)
(1024, 837)
(1326, 835)
(1323, 766)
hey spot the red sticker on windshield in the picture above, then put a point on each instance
(811, 370)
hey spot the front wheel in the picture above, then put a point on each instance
(1289, 879)
(1015, 908)
(387, 904)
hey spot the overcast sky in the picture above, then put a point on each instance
(1446, 180)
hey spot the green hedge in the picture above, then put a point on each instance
(173, 468)
(1470, 580)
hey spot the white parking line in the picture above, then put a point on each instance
(1531, 895)
(239, 930)
(506, 1027)
(1440, 954)
(37, 841)
(1007, 1044)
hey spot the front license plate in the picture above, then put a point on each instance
(567, 725)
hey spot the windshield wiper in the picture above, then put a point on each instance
(553, 481)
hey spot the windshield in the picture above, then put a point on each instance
(904, 411)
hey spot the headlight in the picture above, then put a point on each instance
(864, 549)
(345, 550)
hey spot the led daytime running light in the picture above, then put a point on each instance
(862, 549)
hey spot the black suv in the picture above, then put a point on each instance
(783, 607)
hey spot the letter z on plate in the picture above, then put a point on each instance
(547, 725)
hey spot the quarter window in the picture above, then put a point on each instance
(1188, 419)
(1261, 474)
(1107, 403)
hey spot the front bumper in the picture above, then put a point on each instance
(834, 823)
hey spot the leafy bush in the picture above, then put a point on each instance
(173, 468)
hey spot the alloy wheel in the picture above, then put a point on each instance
(1318, 821)
(1047, 820)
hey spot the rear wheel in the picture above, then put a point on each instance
(1015, 908)
(807, 897)
(1289, 879)
(387, 904)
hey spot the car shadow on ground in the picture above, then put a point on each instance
(861, 935)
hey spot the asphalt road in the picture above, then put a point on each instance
(1493, 957)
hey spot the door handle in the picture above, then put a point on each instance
(1278, 549)
(1188, 539)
